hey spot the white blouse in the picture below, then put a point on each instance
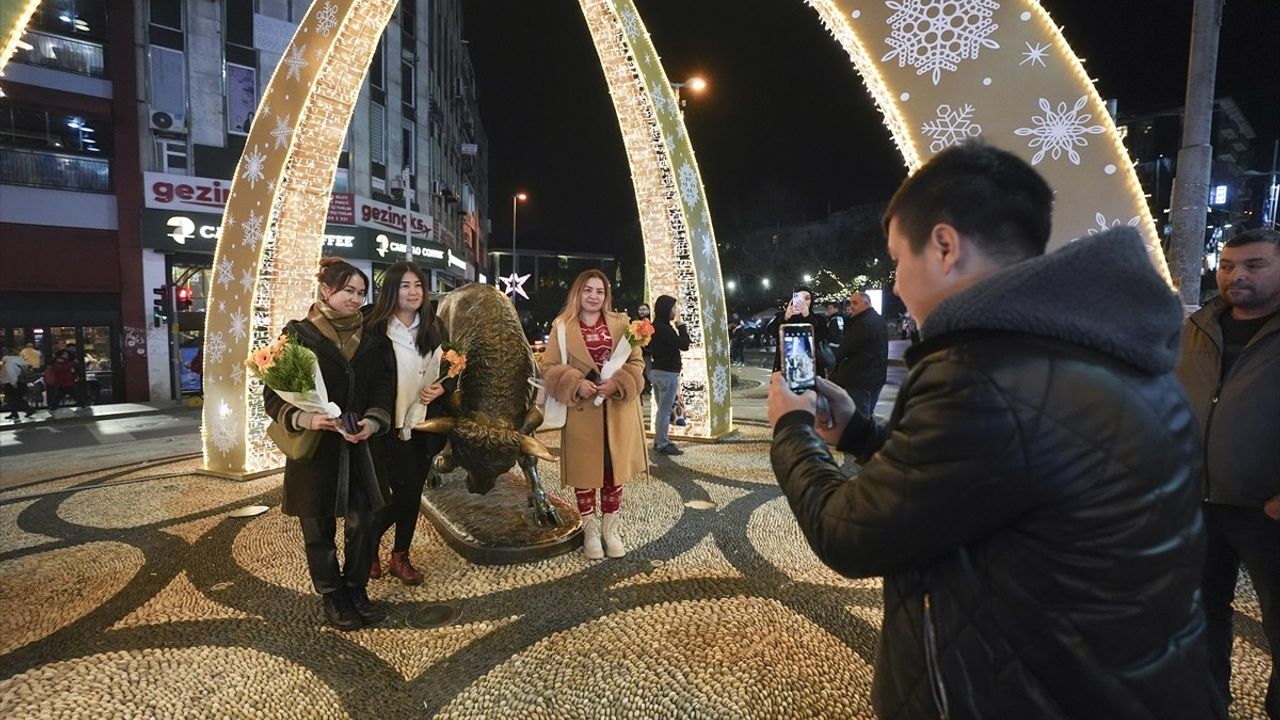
(413, 371)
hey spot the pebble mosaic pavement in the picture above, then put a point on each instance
(131, 594)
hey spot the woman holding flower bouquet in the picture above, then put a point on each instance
(338, 478)
(602, 442)
(405, 315)
(670, 338)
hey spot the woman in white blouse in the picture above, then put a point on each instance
(405, 313)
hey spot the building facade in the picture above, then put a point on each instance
(175, 85)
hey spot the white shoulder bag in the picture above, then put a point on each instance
(554, 412)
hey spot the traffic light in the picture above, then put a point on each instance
(183, 298)
(161, 304)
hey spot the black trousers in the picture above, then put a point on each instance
(410, 461)
(15, 398)
(1241, 535)
(865, 399)
(359, 537)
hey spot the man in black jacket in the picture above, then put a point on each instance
(862, 361)
(1032, 503)
(1230, 368)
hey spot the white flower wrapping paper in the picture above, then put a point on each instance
(417, 412)
(615, 362)
(316, 401)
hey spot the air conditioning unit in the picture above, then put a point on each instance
(167, 122)
(435, 187)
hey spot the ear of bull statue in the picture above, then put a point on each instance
(530, 446)
(438, 425)
(532, 419)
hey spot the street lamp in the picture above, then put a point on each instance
(765, 283)
(730, 285)
(515, 201)
(808, 278)
(695, 84)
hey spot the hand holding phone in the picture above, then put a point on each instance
(799, 368)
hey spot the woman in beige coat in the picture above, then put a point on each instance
(601, 446)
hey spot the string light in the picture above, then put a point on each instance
(268, 249)
(680, 251)
(1104, 185)
(14, 24)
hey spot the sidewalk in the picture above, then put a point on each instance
(91, 413)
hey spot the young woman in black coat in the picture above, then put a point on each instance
(339, 479)
(406, 317)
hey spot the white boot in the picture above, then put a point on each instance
(591, 537)
(612, 540)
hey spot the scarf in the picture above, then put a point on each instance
(344, 330)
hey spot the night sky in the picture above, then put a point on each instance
(786, 120)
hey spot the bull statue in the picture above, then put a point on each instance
(492, 413)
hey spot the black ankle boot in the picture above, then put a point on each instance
(340, 612)
(371, 614)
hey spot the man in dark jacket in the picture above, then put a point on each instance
(1230, 368)
(862, 361)
(1032, 502)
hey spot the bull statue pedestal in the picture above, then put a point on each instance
(495, 528)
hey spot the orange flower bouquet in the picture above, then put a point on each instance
(291, 371)
(637, 334)
(453, 360)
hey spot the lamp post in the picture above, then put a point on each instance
(695, 84)
(515, 203)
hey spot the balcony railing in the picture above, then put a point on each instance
(54, 170)
(63, 53)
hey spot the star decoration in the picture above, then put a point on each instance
(1035, 54)
(514, 284)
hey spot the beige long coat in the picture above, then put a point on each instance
(582, 439)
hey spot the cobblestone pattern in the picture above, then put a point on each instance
(146, 601)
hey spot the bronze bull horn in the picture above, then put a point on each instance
(530, 446)
(438, 425)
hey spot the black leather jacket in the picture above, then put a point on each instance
(1032, 505)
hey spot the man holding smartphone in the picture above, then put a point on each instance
(1032, 502)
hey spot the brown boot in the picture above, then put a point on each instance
(375, 570)
(403, 569)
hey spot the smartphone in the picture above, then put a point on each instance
(799, 368)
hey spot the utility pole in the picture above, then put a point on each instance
(1195, 157)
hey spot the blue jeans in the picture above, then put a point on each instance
(666, 384)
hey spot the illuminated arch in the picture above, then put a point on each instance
(998, 69)
(14, 16)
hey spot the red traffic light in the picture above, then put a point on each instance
(183, 297)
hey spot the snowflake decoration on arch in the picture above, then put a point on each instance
(226, 272)
(253, 165)
(296, 62)
(282, 130)
(1103, 227)
(936, 35)
(215, 348)
(720, 384)
(252, 229)
(661, 103)
(1060, 130)
(327, 19)
(689, 185)
(951, 127)
(237, 374)
(224, 428)
(708, 246)
(246, 279)
(630, 22)
(239, 325)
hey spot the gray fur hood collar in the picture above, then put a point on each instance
(1100, 292)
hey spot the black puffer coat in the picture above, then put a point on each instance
(1032, 503)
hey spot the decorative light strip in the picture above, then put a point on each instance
(14, 16)
(680, 251)
(1014, 76)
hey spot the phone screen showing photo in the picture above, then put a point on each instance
(798, 366)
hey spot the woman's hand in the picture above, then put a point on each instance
(366, 429)
(586, 389)
(430, 393)
(607, 389)
(324, 423)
